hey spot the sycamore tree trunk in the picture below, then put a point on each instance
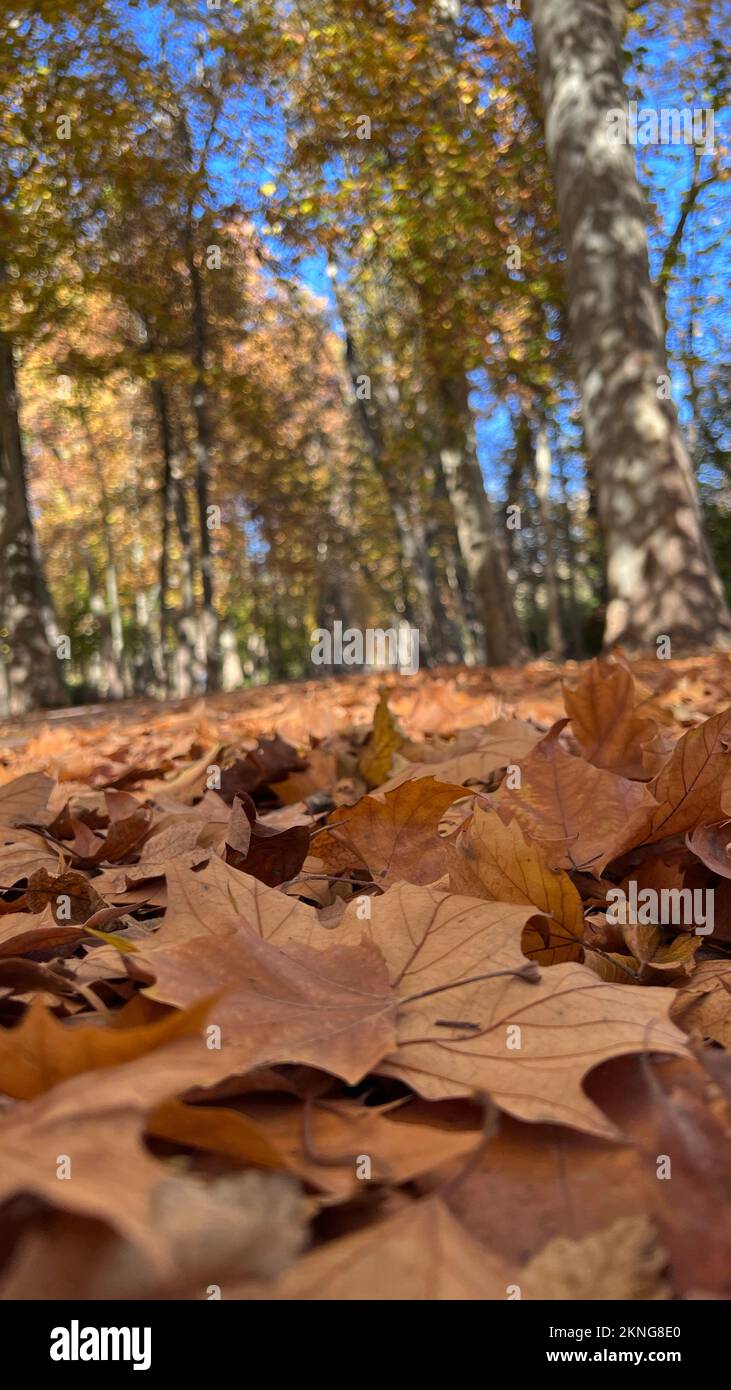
(116, 678)
(32, 669)
(661, 579)
(203, 449)
(481, 542)
(178, 648)
(543, 468)
(416, 568)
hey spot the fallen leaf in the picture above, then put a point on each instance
(610, 731)
(421, 1254)
(703, 1005)
(329, 1009)
(396, 836)
(40, 1052)
(493, 860)
(556, 805)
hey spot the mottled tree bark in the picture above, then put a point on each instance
(440, 640)
(661, 578)
(117, 683)
(543, 464)
(181, 678)
(202, 449)
(32, 670)
(481, 542)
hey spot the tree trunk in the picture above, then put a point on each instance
(414, 561)
(202, 450)
(543, 463)
(117, 683)
(660, 575)
(481, 543)
(576, 646)
(180, 664)
(33, 671)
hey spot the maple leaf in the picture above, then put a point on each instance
(568, 1023)
(649, 959)
(421, 1253)
(429, 937)
(396, 835)
(556, 804)
(40, 1052)
(331, 1009)
(502, 742)
(493, 860)
(610, 731)
(21, 857)
(322, 1142)
(218, 899)
(272, 855)
(703, 1005)
(97, 1121)
(691, 788)
(23, 800)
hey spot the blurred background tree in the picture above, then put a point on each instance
(288, 335)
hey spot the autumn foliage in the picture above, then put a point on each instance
(316, 993)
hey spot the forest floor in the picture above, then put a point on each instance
(372, 987)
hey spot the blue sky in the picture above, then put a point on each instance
(652, 78)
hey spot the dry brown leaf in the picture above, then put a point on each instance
(396, 835)
(493, 860)
(23, 855)
(24, 799)
(34, 931)
(557, 804)
(385, 739)
(91, 1128)
(332, 1009)
(711, 843)
(703, 1005)
(500, 744)
(693, 785)
(243, 1225)
(610, 731)
(219, 898)
(326, 1143)
(569, 1022)
(41, 1052)
(421, 1254)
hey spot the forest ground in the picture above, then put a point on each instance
(360, 906)
(436, 701)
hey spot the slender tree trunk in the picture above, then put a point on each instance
(574, 622)
(32, 669)
(173, 497)
(160, 406)
(660, 575)
(117, 684)
(543, 465)
(481, 543)
(443, 539)
(411, 542)
(203, 447)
